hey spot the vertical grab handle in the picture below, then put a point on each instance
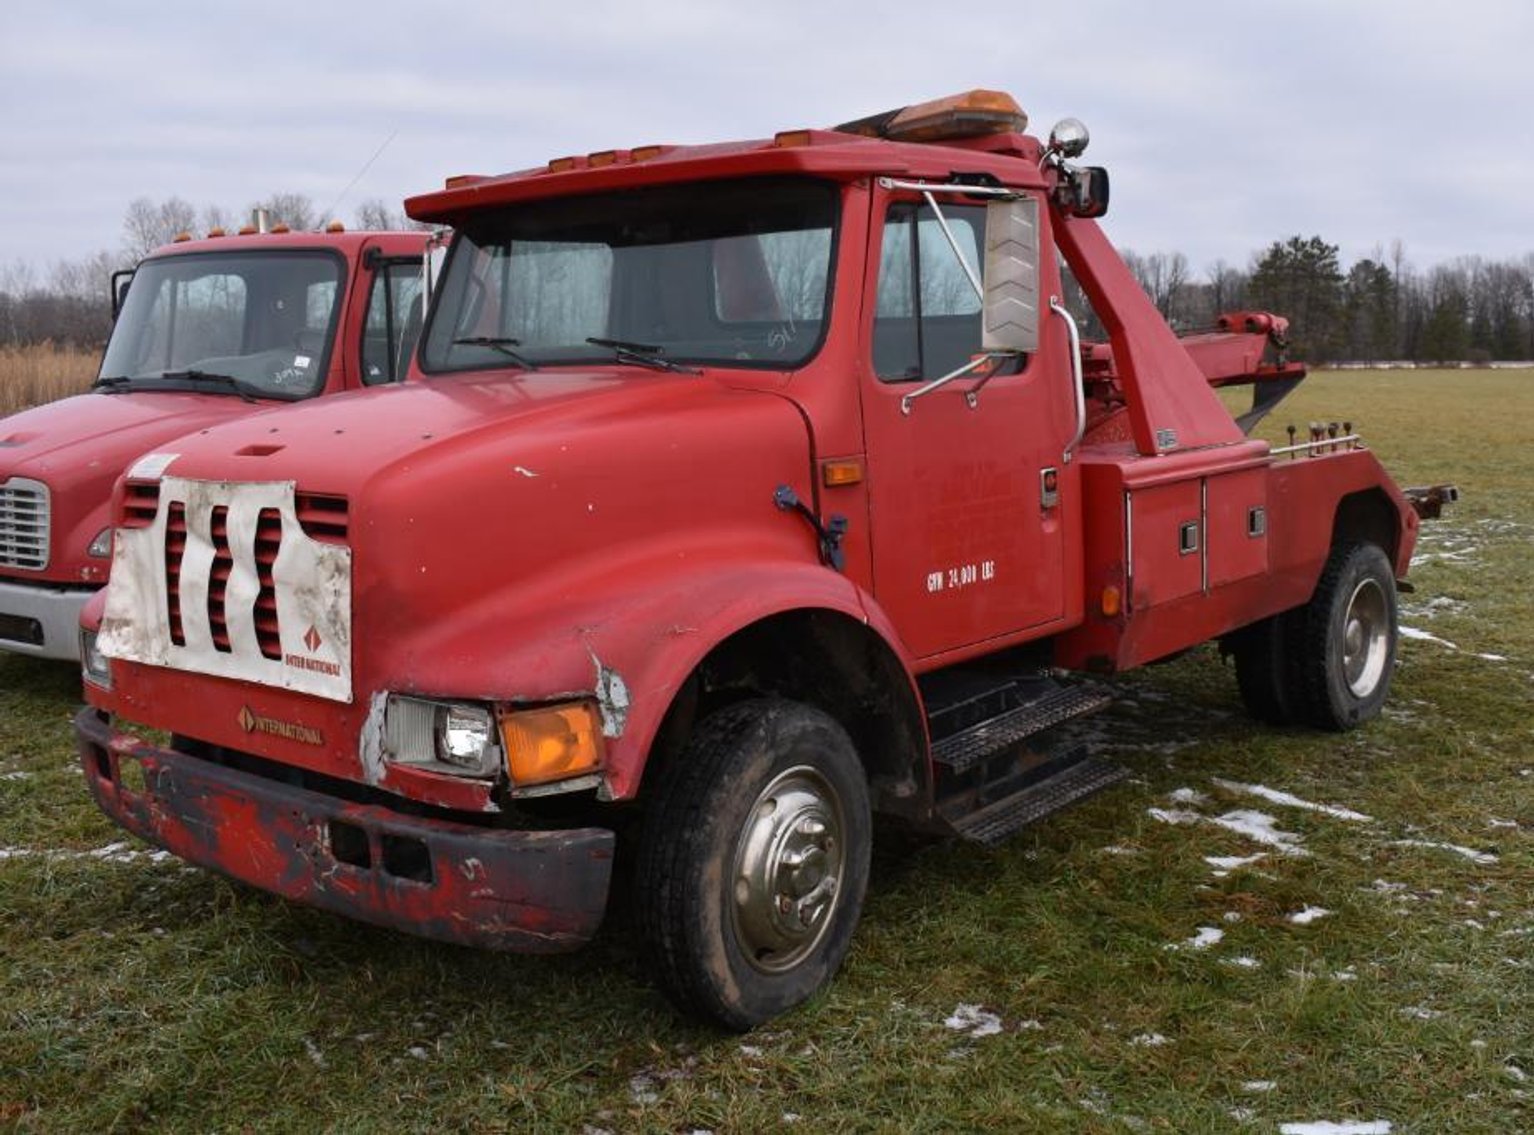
(1077, 385)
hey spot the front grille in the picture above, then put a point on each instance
(24, 524)
(268, 544)
(321, 518)
(141, 501)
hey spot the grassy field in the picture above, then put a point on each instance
(1259, 928)
(41, 373)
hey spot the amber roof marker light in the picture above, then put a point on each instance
(968, 115)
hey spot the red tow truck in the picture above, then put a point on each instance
(209, 330)
(737, 494)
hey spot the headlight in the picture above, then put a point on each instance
(93, 664)
(101, 546)
(464, 733)
(443, 736)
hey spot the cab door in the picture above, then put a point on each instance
(969, 492)
(392, 319)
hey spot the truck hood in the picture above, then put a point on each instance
(79, 446)
(444, 508)
(337, 445)
(72, 437)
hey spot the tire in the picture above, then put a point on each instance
(1264, 668)
(1346, 643)
(734, 929)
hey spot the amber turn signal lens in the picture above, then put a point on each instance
(551, 743)
(841, 471)
(1111, 602)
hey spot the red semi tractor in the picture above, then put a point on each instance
(737, 494)
(208, 331)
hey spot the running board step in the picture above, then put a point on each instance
(995, 822)
(969, 746)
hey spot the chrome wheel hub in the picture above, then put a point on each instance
(788, 869)
(1365, 638)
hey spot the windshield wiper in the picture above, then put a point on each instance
(122, 383)
(243, 389)
(501, 343)
(642, 354)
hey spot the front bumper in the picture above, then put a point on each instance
(529, 891)
(42, 620)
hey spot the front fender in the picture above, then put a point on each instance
(628, 635)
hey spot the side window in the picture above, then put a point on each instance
(393, 321)
(927, 321)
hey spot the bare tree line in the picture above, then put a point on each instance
(1381, 307)
(69, 303)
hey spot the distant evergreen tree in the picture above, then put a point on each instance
(1300, 278)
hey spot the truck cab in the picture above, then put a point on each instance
(737, 494)
(205, 331)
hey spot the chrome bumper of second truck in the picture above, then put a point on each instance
(41, 619)
(528, 891)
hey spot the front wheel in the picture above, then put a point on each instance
(753, 862)
(1347, 644)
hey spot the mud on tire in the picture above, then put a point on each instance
(753, 861)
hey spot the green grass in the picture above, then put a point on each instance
(141, 994)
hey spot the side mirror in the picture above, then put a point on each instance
(1011, 284)
(120, 281)
(1083, 192)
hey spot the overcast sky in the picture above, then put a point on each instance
(1224, 126)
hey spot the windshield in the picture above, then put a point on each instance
(731, 272)
(263, 319)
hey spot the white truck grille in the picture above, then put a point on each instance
(24, 524)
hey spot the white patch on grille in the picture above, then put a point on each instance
(311, 580)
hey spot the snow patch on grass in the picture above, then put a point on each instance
(1148, 1040)
(1260, 828)
(973, 1021)
(1274, 796)
(1224, 864)
(1308, 915)
(1480, 858)
(1257, 826)
(1207, 936)
(111, 853)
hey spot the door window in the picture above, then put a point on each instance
(928, 317)
(393, 321)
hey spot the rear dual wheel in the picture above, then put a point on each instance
(1329, 663)
(754, 861)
